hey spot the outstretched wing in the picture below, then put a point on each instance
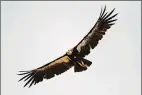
(104, 22)
(47, 71)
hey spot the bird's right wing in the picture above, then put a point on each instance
(47, 71)
(104, 22)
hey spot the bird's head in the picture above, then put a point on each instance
(69, 52)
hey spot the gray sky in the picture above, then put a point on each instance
(34, 33)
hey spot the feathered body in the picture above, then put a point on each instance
(75, 56)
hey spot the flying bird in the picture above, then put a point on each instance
(75, 56)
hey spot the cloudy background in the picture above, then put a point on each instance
(34, 33)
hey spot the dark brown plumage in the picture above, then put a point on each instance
(73, 57)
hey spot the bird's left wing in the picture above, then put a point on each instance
(104, 22)
(47, 71)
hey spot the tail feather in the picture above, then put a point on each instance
(87, 62)
(82, 65)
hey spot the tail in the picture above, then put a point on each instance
(82, 65)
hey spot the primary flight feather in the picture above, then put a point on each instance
(75, 56)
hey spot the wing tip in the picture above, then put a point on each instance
(105, 16)
(103, 9)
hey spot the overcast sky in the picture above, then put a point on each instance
(34, 33)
